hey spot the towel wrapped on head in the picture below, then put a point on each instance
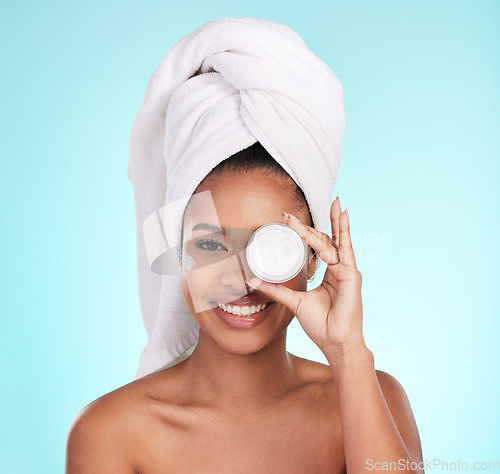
(230, 83)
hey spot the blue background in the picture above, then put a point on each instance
(419, 176)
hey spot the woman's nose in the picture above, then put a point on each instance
(236, 270)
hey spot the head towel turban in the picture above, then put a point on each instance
(230, 83)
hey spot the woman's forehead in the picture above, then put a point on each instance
(239, 210)
(245, 191)
(229, 182)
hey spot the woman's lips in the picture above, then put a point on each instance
(242, 322)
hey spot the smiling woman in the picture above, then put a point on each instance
(245, 198)
(252, 136)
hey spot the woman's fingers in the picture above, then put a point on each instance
(320, 242)
(346, 252)
(335, 212)
(279, 293)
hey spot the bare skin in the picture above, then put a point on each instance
(240, 402)
(147, 427)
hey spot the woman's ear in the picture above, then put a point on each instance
(311, 265)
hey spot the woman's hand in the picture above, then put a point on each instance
(332, 313)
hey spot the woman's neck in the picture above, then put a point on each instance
(239, 384)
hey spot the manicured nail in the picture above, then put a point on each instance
(293, 217)
(254, 283)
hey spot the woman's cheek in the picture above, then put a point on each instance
(299, 282)
(197, 288)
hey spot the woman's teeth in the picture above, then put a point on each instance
(242, 310)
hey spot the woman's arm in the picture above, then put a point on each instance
(378, 427)
(376, 418)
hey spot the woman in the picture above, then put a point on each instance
(240, 402)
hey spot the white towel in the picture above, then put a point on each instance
(230, 83)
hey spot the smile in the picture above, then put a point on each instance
(243, 316)
(240, 310)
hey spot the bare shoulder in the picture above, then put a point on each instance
(98, 439)
(107, 434)
(313, 372)
(401, 411)
(394, 394)
(318, 380)
(390, 385)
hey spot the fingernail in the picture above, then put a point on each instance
(254, 283)
(347, 212)
(285, 214)
(293, 217)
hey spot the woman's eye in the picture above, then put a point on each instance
(210, 245)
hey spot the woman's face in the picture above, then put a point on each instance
(236, 205)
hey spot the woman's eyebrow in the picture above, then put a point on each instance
(211, 228)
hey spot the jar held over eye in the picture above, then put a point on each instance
(276, 253)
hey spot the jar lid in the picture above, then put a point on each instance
(276, 253)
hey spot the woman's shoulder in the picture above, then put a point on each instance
(312, 372)
(129, 403)
(322, 375)
(119, 425)
(160, 395)
(114, 410)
